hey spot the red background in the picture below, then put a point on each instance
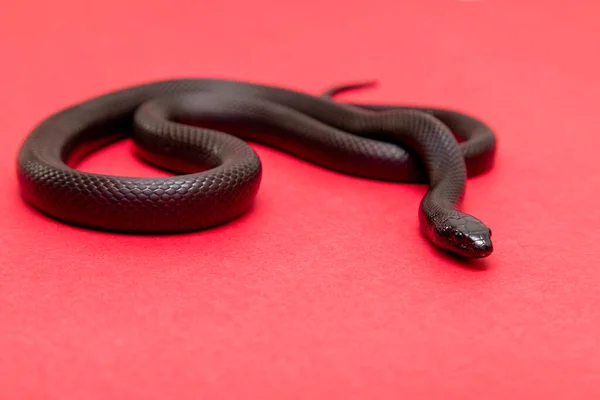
(326, 289)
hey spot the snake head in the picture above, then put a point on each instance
(464, 235)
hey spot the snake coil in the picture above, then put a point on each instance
(180, 125)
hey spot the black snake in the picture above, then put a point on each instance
(179, 125)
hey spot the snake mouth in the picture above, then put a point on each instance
(475, 247)
(481, 249)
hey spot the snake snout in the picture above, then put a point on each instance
(481, 245)
(471, 245)
(466, 236)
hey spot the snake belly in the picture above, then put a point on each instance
(197, 128)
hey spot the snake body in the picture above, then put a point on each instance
(181, 125)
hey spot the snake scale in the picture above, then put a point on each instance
(197, 129)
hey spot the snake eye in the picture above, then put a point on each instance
(454, 236)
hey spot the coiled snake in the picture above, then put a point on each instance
(180, 125)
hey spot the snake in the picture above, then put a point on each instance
(198, 129)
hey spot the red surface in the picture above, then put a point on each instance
(326, 289)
